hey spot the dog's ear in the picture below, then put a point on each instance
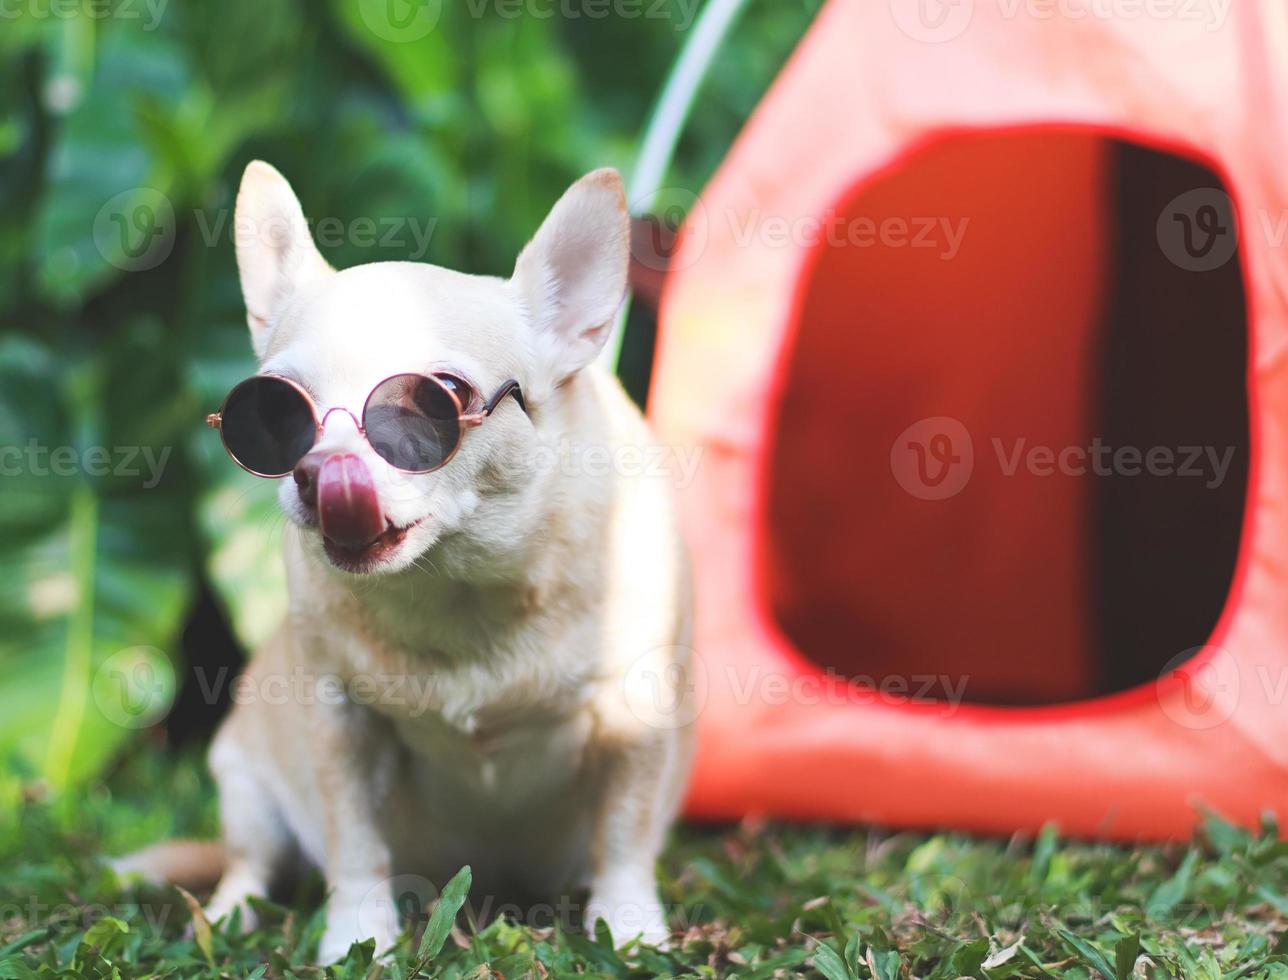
(572, 275)
(276, 256)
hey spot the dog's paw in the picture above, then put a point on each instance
(220, 912)
(335, 944)
(231, 897)
(635, 913)
(347, 924)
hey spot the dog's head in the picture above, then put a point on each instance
(337, 335)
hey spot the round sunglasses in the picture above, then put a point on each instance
(414, 422)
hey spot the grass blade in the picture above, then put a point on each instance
(1126, 952)
(1089, 954)
(444, 914)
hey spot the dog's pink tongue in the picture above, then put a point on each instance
(348, 506)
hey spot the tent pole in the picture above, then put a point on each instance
(666, 123)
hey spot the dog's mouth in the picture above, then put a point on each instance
(356, 533)
(368, 557)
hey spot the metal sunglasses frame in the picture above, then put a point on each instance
(464, 421)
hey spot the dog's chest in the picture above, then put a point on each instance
(489, 708)
(509, 762)
(503, 736)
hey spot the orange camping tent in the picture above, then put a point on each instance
(980, 330)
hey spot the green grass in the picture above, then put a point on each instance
(758, 900)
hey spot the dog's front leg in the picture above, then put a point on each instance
(354, 755)
(634, 811)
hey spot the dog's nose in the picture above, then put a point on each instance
(306, 480)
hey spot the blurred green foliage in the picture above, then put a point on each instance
(411, 129)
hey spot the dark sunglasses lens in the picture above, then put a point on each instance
(413, 422)
(268, 425)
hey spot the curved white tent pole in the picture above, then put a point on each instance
(665, 125)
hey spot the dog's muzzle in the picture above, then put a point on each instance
(348, 505)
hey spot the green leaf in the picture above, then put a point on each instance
(1273, 898)
(884, 965)
(450, 901)
(1225, 837)
(106, 208)
(1089, 954)
(830, 963)
(593, 953)
(25, 940)
(604, 937)
(1033, 958)
(96, 569)
(357, 961)
(106, 935)
(1171, 893)
(516, 965)
(853, 950)
(1043, 850)
(243, 523)
(201, 930)
(968, 958)
(1126, 952)
(412, 41)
